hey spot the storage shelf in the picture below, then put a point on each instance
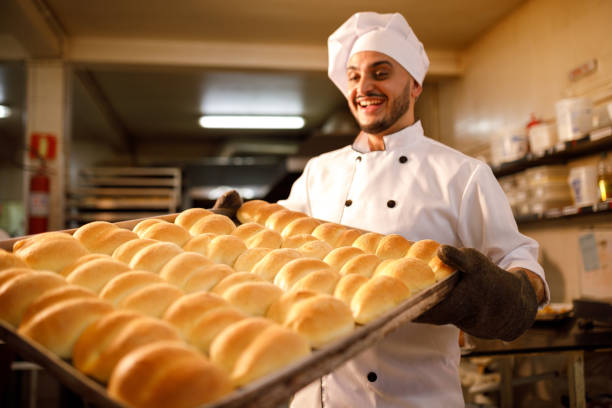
(559, 154)
(604, 208)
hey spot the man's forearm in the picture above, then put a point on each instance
(536, 282)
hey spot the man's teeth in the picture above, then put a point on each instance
(366, 103)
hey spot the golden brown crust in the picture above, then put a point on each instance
(187, 218)
(315, 249)
(295, 270)
(178, 269)
(9, 260)
(10, 273)
(424, 250)
(215, 224)
(280, 309)
(414, 273)
(364, 264)
(53, 296)
(329, 232)
(225, 249)
(199, 243)
(58, 327)
(348, 237)
(93, 275)
(235, 279)
(185, 313)
(296, 241)
(50, 251)
(368, 242)
(392, 246)
(206, 279)
(153, 257)
(263, 212)
(167, 232)
(103, 237)
(247, 260)
(256, 236)
(152, 300)
(211, 324)
(18, 293)
(167, 374)
(143, 225)
(82, 260)
(126, 251)
(368, 303)
(252, 298)
(278, 220)
(126, 283)
(323, 281)
(304, 225)
(270, 264)
(339, 256)
(246, 213)
(348, 285)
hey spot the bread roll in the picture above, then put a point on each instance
(254, 347)
(256, 236)
(246, 212)
(58, 327)
(125, 252)
(247, 260)
(315, 249)
(348, 285)
(50, 251)
(275, 348)
(19, 292)
(323, 281)
(262, 213)
(393, 246)
(252, 298)
(103, 237)
(348, 237)
(278, 220)
(321, 319)
(206, 279)
(93, 275)
(127, 283)
(296, 241)
(152, 300)
(178, 269)
(10, 273)
(186, 312)
(427, 250)
(143, 225)
(212, 323)
(102, 344)
(53, 296)
(414, 273)
(270, 264)
(187, 218)
(299, 226)
(167, 374)
(9, 260)
(199, 243)
(215, 223)
(168, 232)
(329, 232)
(364, 264)
(376, 297)
(368, 242)
(82, 260)
(225, 249)
(153, 257)
(235, 279)
(295, 270)
(339, 256)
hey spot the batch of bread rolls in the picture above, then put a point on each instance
(180, 314)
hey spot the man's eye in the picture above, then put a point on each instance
(353, 77)
(380, 74)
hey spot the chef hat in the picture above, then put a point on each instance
(368, 31)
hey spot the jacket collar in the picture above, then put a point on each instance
(405, 138)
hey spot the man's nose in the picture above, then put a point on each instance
(364, 85)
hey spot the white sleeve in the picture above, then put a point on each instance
(487, 224)
(298, 199)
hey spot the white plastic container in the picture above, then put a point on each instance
(508, 145)
(574, 118)
(542, 137)
(583, 184)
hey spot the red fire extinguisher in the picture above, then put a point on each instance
(39, 201)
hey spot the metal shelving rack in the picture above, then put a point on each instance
(121, 193)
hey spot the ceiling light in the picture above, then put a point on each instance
(252, 122)
(5, 111)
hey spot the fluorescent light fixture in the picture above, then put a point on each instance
(251, 122)
(5, 111)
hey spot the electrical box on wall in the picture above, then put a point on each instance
(596, 275)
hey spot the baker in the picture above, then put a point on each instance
(395, 180)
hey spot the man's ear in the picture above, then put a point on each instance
(415, 89)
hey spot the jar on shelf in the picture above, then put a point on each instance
(604, 176)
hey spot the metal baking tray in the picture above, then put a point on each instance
(270, 391)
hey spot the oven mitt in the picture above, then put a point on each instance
(229, 201)
(487, 302)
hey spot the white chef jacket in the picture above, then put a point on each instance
(420, 189)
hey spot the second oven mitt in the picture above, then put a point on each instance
(487, 302)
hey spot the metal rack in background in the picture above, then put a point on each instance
(121, 193)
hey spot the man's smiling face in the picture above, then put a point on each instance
(381, 93)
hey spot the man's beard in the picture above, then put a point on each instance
(399, 107)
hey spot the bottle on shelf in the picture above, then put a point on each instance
(604, 176)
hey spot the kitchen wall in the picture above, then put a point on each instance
(520, 67)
